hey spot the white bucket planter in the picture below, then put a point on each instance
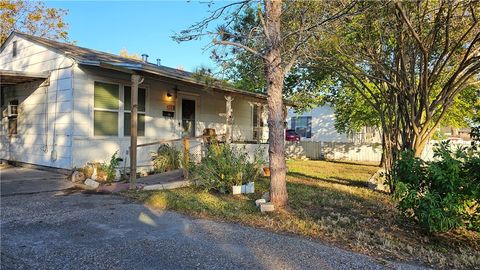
(118, 175)
(250, 187)
(236, 190)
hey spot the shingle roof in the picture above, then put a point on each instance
(82, 54)
(93, 57)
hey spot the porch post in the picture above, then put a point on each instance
(264, 115)
(133, 130)
(259, 122)
(229, 119)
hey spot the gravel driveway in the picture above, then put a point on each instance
(55, 230)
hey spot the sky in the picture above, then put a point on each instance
(139, 27)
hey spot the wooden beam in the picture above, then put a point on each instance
(136, 80)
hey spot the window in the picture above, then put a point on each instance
(106, 109)
(108, 112)
(14, 48)
(12, 122)
(2, 97)
(302, 126)
(140, 124)
(141, 111)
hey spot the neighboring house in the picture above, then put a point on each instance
(319, 125)
(455, 134)
(66, 105)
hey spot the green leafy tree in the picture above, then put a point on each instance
(277, 33)
(462, 111)
(475, 123)
(32, 17)
(409, 61)
(440, 195)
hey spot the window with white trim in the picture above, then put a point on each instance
(109, 111)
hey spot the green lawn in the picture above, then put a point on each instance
(329, 201)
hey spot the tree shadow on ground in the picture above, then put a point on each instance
(367, 164)
(333, 180)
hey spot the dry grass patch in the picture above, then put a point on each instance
(330, 201)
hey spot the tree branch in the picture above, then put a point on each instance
(239, 45)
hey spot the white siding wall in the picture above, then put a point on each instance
(45, 110)
(88, 148)
(323, 125)
(323, 128)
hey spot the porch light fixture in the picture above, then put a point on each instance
(170, 96)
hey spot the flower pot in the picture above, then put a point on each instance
(244, 189)
(250, 188)
(266, 171)
(236, 190)
(118, 175)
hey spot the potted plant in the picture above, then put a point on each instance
(250, 174)
(250, 187)
(237, 184)
(266, 171)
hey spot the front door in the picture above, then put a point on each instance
(188, 117)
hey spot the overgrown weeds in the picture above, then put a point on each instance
(443, 194)
(223, 167)
(167, 158)
(330, 202)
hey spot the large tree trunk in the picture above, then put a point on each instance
(420, 143)
(275, 75)
(389, 153)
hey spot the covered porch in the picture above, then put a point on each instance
(170, 109)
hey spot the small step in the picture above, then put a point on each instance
(167, 180)
(170, 185)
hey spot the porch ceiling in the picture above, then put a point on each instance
(10, 77)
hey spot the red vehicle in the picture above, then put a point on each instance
(292, 136)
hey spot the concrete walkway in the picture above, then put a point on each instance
(56, 230)
(167, 180)
(21, 180)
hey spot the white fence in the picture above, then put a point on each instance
(349, 151)
(335, 151)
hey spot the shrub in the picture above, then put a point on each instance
(109, 168)
(222, 167)
(166, 159)
(442, 194)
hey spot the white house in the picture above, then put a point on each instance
(65, 105)
(318, 125)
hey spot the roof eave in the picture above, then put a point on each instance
(130, 69)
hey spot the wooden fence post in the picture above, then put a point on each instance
(186, 150)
